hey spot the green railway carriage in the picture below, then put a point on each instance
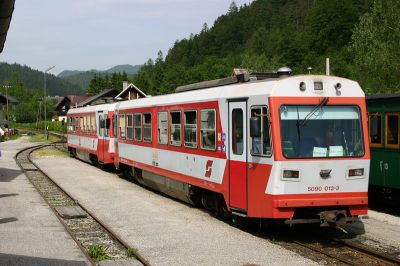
(384, 124)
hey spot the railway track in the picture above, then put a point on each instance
(349, 252)
(97, 241)
(88, 231)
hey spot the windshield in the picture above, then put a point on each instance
(326, 131)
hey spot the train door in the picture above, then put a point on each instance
(238, 155)
(101, 131)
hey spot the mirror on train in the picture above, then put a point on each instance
(255, 127)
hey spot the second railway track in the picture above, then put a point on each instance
(96, 240)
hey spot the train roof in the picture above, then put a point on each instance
(383, 96)
(283, 87)
(292, 86)
(92, 108)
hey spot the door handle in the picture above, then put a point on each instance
(250, 165)
(386, 166)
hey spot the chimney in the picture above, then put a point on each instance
(124, 85)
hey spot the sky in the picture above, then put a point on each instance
(100, 34)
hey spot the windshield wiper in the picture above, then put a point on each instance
(323, 102)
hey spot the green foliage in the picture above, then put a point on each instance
(54, 126)
(33, 79)
(261, 36)
(98, 253)
(375, 45)
(100, 82)
(131, 252)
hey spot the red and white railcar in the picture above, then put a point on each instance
(90, 135)
(293, 148)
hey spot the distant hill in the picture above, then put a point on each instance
(33, 79)
(83, 78)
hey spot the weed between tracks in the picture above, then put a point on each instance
(98, 252)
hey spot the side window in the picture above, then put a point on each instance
(207, 129)
(76, 120)
(138, 127)
(261, 146)
(237, 131)
(121, 126)
(392, 130)
(81, 124)
(162, 128)
(101, 129)
(71, 124)
(175, 128)
(147, 127)
(375, 129)
(129, 126)
(115, 125)
(190, 129)
(106, 130)
(94, 124)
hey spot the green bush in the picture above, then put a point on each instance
(54, 126)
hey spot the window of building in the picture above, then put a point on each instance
(175, 128)
(392, 129)
(121, 126)
(147, 127)
(129, 126)
(190, 129)
(138, 127)
(162, 128)
(261, 146)
(207, 129)
(375, 129)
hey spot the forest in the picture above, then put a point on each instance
(361, 38)
(32, 79)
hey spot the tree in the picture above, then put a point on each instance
(375, 45)
(233, 8)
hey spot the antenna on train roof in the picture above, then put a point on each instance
(239, 75)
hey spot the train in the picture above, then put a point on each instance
(287, 148)
(383, 117)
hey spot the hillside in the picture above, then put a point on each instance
(261, 36)
(83, 78)
(33, 79)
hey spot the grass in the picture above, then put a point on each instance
(51, 153)
(131, 252)
(42, 138)
(98, 253)
(13, 137)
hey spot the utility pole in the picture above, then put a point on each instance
(44, 98)
(7, 87)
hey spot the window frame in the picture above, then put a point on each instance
(119, 125)
(158, 127)
(378, 145)
(180, 125)
(129, 127)
(197, 128)
(138, 127)
(262, 132)
(147, 124)
(215, 130)
(395, 146)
